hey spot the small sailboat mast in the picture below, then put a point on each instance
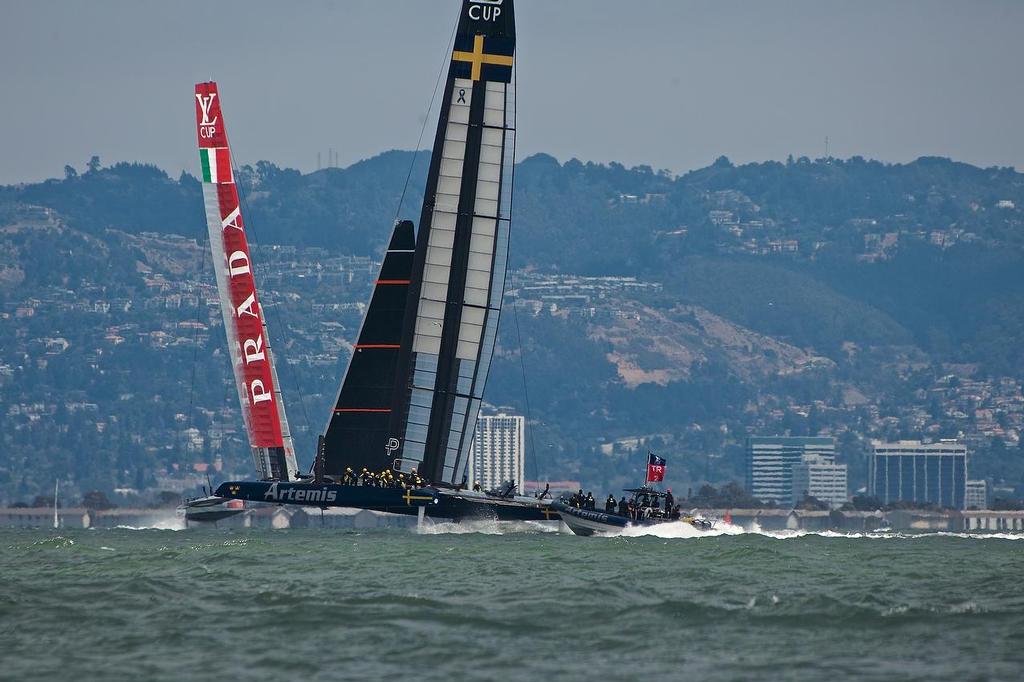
(56, 492)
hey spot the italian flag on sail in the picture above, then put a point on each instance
(216, 163)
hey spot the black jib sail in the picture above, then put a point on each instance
(462, 248)
(356, 434)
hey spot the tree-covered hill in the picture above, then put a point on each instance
(833, 296)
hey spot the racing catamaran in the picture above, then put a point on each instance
(409, 399)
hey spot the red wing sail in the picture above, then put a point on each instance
(246, 330)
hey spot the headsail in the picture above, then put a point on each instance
(357, 431)
(248, 343)
(462, 248)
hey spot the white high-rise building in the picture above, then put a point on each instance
(770, 462)
(498, 451)
(821, 478)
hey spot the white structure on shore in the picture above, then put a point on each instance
(498, 451)
(770, 462)
(976, 495)
(820, 477)
(912, 471)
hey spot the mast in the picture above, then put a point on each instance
(462, 251)
(56, 490)
(248, 342)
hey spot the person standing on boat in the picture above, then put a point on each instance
(670, 500)
(590, 502)
(609, 504)
(623, 507)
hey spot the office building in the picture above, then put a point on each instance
(925, 473)
(976, 495)
(821, 478)
(770, 462)
(498, 451)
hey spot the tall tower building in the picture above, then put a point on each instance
(912, 471)
(498, 451)
(770, 462)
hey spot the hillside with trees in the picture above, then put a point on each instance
(844, 297)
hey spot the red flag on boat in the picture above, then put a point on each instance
(655, 468)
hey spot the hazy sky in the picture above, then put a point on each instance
(668, 83)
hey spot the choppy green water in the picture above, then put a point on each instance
(325, 605)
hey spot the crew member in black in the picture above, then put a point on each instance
(609, 504)
(670, 500)
(623, 507)
(676, 513)
(590, 503)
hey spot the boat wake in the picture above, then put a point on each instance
(486, 527)
(685, 531)
(163, 524)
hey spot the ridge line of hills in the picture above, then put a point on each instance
(843, 297)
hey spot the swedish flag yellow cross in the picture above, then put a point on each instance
(477, 58)
(409, 497)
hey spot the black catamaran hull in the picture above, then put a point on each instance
(592, 522)
(468, 506)
(437, 503)
(393, 500)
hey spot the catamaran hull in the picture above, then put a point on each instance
(438, 503)
(323, 495)
(471, 506)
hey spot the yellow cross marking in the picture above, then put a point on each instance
(548, 512)
(478, 57)
(409, 497)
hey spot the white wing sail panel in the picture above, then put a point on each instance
(462, 248)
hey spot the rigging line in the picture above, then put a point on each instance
(426, 118)
(244, 205)
(522, 367)
(515, 289)
(195, 332)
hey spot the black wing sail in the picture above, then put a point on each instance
(356, 434)
(462, 248)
